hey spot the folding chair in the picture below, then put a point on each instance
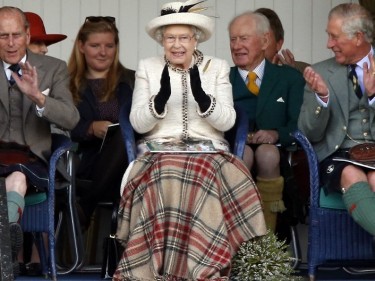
(69, 213)
(67, 216)
(286, 227)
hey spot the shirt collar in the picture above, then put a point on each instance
(6, 65)
(365, 59)
(259, 70)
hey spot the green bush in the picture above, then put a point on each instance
(263, 258)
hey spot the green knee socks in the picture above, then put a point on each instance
(16, 204)
(359, 200)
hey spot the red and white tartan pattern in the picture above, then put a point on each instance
(184, 216)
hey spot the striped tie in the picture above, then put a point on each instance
(354, 78)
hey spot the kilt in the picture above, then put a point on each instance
(330, 172)
(184, 216)
(18, 158)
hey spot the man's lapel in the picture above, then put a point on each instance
(339, 85)
(4, 89)
(266, 91)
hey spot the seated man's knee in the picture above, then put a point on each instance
(352, 174)
(267, 156)
(248, 157)
(16, 181)
(371, 179)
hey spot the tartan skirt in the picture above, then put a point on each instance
(184, 216)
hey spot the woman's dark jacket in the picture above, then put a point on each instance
(89, 145)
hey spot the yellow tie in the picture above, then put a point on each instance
(251, 85)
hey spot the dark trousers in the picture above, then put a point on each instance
(105, 176)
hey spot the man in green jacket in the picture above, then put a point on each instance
(272, 101)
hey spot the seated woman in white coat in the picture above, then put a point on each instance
(183, 216)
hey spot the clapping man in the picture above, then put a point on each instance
(338, 110)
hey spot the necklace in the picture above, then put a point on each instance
(197, 56)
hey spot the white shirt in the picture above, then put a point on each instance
(8, 71)
(259, 70)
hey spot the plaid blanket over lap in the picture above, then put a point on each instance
(184, 216)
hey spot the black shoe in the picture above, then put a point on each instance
(34, 269)
(22, 268)
(16, 241)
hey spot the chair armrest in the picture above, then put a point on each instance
(127, 132)
(62, 145)
(237, 135)
(312, 160)
(242, 124)
(237, 142)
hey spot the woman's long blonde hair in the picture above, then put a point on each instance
(77, 63)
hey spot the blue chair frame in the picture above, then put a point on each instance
(40, 217)
(334, 238)
(236, 136)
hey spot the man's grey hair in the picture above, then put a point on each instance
(262, 23)
(355, 19)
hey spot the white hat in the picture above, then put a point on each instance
(182, 13)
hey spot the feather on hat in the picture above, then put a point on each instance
(182, 13)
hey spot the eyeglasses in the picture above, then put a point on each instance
(99, 19)
(182, 39)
